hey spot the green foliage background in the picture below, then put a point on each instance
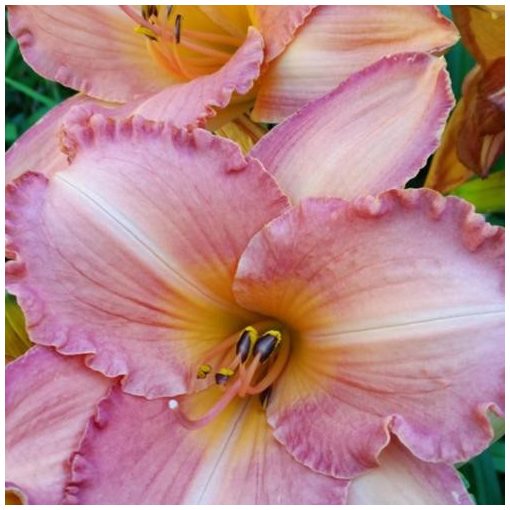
(29, 97)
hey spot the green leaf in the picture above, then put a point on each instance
(21, 87)
(497, 450)
(488, 491)
(10, 50)
(487, 195)
(11, 132)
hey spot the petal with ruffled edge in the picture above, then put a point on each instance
(373, 133)
(278, 25)
(129, 253)
(233, 460)
(336, 41)
(93, 49)
(196, 100)
(396, 312)
(49, 400)
(402, 479)
(186, 105)
(39, 147)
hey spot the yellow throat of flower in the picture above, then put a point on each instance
(249, 363)
(191, 41)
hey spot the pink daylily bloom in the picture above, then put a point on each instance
(286, 349)
(303, 52)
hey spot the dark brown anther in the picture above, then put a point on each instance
(178, 20)
(169, 9)
(152, 10)
(265, 396)
(223, 375)
(266, 345)
(243, 346)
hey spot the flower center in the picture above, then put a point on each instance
(184, 52)
(255, 359)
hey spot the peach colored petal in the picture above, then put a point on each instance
(396, 305)
(233, 460)
(93, 49)
(184, 105)
(336, 41)
(196, 101)
(128, 255)
(278, 25)
(374, 132)
(402, 479)
(49, 399)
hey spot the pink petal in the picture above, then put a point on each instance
(397, 307)
(93, 49)
(135, 452)
(373, 133)
(402, 479)
(187, 103)
(129, 253)
(39, 148)
(278, 25)
(337, 41)
(49, 399)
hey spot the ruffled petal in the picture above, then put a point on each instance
(39, 148)
(185, 105)
(396, 310)
(336, 41)
(373, 133)
(93, 49)
(402, 479)
(196, 101)
(129, 254)
(49, 400)
(278, 25)
(233, 460)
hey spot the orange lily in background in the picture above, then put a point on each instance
(475, 134)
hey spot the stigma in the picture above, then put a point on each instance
(258, 357)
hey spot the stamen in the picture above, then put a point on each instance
(267, 344)
(223, 375)
(178, 19)
(247, 376)
(220, 405)
(140, 19)
(169, 9)
(264, 396)
(245, 343)
(146, 32)
(203, 371)
(273, 373)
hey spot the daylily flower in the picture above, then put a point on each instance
(475, 135)
(287, 349)
(302, 52)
